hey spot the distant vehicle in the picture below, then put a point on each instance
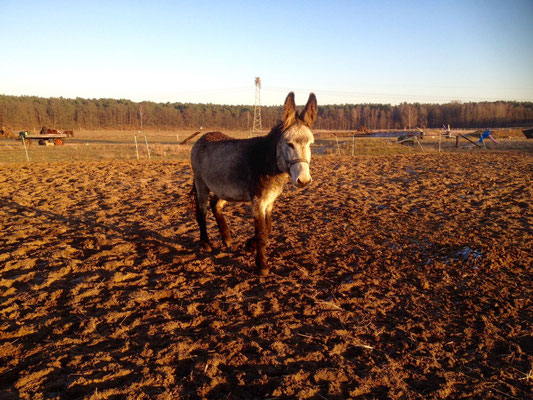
(47, 131)
(47, 136)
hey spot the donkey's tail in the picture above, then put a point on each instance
(193, 198)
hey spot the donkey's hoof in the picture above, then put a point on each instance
(262, 268)
(228, 243)
(251, 245)
(206, 246)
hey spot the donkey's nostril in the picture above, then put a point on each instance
(301, 182)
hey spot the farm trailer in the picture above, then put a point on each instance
(48, 139)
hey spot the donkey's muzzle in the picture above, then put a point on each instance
(303, 182)
(299, 172)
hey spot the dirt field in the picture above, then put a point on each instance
(394, 277)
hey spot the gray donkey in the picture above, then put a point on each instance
(253, 170)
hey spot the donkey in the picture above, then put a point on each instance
(252, 170)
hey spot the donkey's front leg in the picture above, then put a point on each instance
(251, 244)
(260, 239)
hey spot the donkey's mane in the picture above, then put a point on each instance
(276, 132)
(280, 127)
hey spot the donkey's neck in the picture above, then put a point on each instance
(268, 151)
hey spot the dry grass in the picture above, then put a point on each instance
(153, 136)
(164, 145)
(88, 152)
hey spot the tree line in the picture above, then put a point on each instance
(30, 112)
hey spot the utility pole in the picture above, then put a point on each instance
(257, 125)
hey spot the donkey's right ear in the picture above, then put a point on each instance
(289, 110)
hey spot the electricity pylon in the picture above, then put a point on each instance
(257, 125)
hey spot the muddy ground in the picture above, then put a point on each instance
(393, 277)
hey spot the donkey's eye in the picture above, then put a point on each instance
(290, 145)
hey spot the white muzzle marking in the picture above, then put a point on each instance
(299, 172)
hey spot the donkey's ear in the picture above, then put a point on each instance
(289, 110)
(310, 111)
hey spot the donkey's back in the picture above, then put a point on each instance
(213, 137)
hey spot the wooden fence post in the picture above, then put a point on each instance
(136, 145)
(25, 149)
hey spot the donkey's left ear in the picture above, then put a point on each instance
(308, 115)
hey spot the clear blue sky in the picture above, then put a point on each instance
(210, 51)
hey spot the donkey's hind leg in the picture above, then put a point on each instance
(202, 196)
(217, 205)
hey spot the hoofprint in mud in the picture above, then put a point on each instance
(252, 170)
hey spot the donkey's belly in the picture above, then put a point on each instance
(229, 191)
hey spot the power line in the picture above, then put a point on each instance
(396, 95)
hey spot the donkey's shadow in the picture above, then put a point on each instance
(142, 237)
